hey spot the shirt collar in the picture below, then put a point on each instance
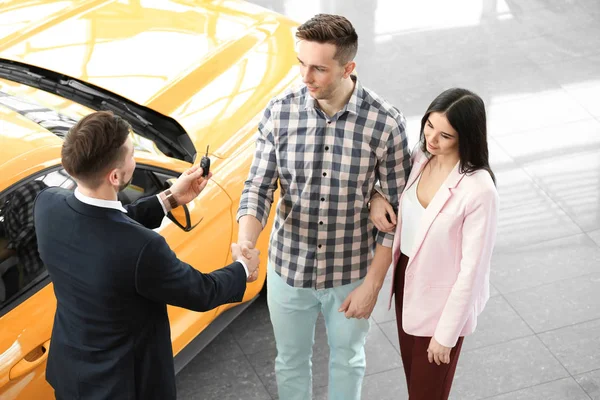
(114, 204)
(353, 104)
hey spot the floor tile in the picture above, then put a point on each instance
(504, 368)
(559, 47)
(573, 182)
(223, 347)
(525, 267)
(252, 329)
(534, 112)
(562, 18)
(586, 94)
(496, 83)
(499, 158)
(517, 189)
(264, 366)
(573, 71)
(557, 140)
(381, 313)
(497, 323)
(533, 223)
(595, 235)
(388, 385)
(562, 389)
(233, 379)
(381, 354)
(493, 291)
(385, 385)
(390, 330)
(574, 346)
(590, 382)
(559, 304)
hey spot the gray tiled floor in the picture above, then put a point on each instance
(536, 63)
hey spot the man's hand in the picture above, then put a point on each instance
(250, 256)
(438, 353)
(189, 185)
(241, 249)
(361, 301)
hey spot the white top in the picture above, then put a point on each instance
(412, 213)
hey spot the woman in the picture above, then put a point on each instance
(443, 243)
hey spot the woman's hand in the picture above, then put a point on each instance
(438, 353)
(380, 210)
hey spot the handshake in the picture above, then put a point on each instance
(246, 252)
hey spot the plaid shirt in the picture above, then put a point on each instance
(18, 224)
(327, 168)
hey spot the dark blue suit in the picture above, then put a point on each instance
(113, 277)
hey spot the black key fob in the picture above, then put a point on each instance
(205, 164)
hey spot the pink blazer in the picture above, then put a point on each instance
(447, 278)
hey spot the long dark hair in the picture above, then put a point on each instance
(465, 111)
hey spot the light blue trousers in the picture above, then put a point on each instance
(294, 313)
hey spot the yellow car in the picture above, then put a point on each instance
(187, 75)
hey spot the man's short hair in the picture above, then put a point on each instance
(334, 29)
(94, 146)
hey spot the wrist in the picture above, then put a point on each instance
(374, 281)
(169, 200)
(242, 240)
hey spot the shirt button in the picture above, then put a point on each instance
(320, 246)
(324, 173)
(410, 276)
(328, 122)
(320, 222)
(322, 198)
(326, 148)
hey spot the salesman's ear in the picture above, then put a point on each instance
(113, 177)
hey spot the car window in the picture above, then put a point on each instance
(146, 181)
(21, 268)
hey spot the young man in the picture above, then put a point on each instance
(326, 144)
(113, 275)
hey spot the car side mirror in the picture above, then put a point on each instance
(181, 215)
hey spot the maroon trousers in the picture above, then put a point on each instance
(426, 381)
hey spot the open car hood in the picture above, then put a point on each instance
(196, 73)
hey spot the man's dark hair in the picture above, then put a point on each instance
(333, 29)
(94, 146)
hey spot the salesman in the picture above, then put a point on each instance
(113, 276)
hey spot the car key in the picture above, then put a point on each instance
(205, 163)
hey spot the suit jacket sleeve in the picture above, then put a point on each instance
(147, 211)
(162, 277)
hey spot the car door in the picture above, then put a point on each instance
(27, 302)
